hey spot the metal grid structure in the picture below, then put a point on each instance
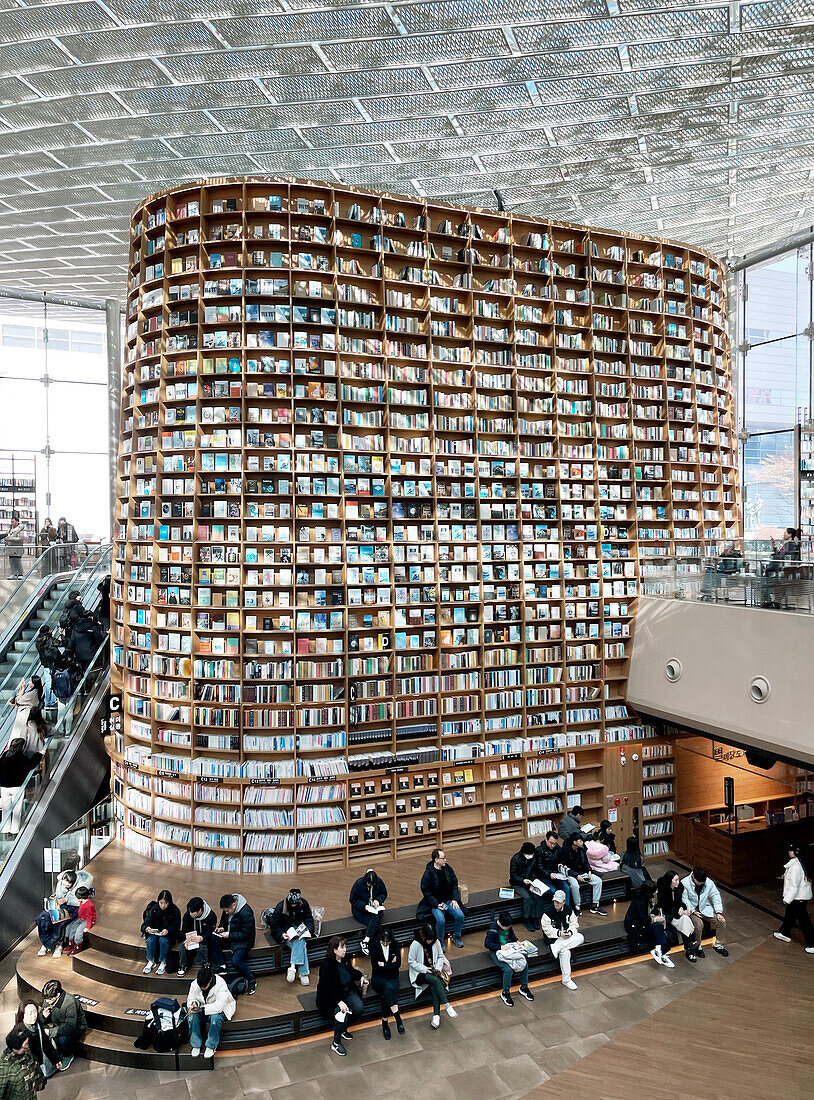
(664, 117)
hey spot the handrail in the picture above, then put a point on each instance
(52, 751)
(50, 562)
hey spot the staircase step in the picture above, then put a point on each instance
(118, 1050)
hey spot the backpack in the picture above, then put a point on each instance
(61, 684)
(238, 986)
(166, 1029)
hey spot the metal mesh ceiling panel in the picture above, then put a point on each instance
(686, 119)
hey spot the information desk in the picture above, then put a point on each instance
(756, 853)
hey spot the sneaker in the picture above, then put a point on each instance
(195, 1052)
(658, 957)
(722, 951)
(42, 951)
(346, 1035)
(809, 950)
(524, 991)
(780, 936)
(148, 968)
(66, 1062)
(506, 997)
(291, 974)
(250, 992)
(435, 1022)
(209, 1052)
(58, 951)
(181, 973)
(691, 957)
(597, 912)
(450, 1011)
(569, 984)
(337, 1048)
(162, 968)
(668, 962)
(700, 952)
(304, 979)
(457, 941)
(365, 945)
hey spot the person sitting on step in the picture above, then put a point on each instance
(385, 966)
(430, 969)
(499, 935)
(160, 926)
(441, 897)
(291, 913)
(64, 1017)
(522, 872)
(235, 929)
(209, 1005)
(367, 898)
(196, 935)
(575, 858)
(551, 865)
(85, 920)
(561, 928)
(645, 925)
(670, 897)
(703, 901)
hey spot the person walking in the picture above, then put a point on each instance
(796, 896)
(14, 539)
(385, 966)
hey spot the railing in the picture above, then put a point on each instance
(64, 557)
(94, 568)
(737, 580)
(53, 751)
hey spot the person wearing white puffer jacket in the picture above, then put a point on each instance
(210, 1003)
(796, 896)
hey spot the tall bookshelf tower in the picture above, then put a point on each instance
(392, 475)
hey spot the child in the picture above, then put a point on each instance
(85, 920)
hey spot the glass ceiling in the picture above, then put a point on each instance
(681, 119)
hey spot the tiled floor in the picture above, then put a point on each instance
(490, 1051)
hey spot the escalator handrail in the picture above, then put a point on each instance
(56, 553)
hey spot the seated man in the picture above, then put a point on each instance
(499, 935)
(561, 928)
(197, 926)
(64, 1017)
(291, 912)
(441, 897)
(522, 872)
(571, 823)
(703, 901)
(367, 898)
(209, 1003)
(576, 859)
(550, 863)
(236, 930)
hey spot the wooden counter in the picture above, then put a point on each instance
(756, 853)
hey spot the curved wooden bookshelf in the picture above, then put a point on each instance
(392, 474)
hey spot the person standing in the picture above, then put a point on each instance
(103, 588)
(560, 927)
(796, 896)
(14, 539)
(571, 823)
(367, 898)
(428, 969)
(703, 901)
(86, 637)
(441, 897)
(67, 538)
(500, 934)
(48, 535)
(209, 1005)
(29, 694)
(20, 1076)
(339, 1001)
(385, 966)
(522, 871)
(236, 930)
(15, 767)
(161, 923)
(73, 612)
(292, 912)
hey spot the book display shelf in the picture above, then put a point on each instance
(392, 475)
(18, 494)
(807, 487)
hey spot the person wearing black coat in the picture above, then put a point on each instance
(644, 925)
(74, 610)
(199, 921)
(86, 637)
(337, 994)
(293, 911)
(385, 965)
(160, 926)
(678, 920)
(50, 655)
(575, 857)
(441, 897)
(522, 871)
(40, 1045)
(235, 929)
(103, 588)
(367, 897)
(549, 861)
(15, 767)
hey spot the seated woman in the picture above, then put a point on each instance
(632, 863)
(385, 964)
(40, 1045)
(601, 849)
(160, 927)
(291, 912)
(678, 921)
(338, 999)
(427, 963)
(68, 882)
(644, 925)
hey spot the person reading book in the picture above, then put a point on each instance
(524, 878)
(502, 944)
(197, 926)
(292, 923)
(575, 858)
(367, 897)
(560, 926)
(235, 929)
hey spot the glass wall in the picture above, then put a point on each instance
(774, 303)
(60, 424)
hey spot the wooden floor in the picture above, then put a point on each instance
(746, 1032)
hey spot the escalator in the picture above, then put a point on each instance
(18, 636)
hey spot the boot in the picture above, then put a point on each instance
(399, 1023)
(386, 1029)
